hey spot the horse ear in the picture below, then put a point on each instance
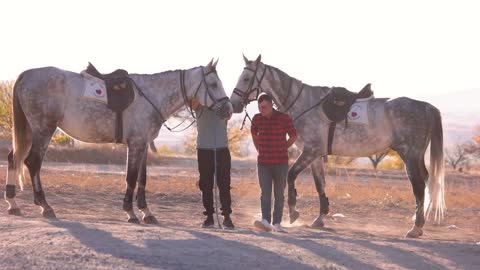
(259, 58)
(245, 59)
(215, 64)
(368, 86)
(210, 64)
(366, 91)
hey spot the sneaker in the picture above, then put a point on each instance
(263, 225)
(208, 223)
(278, 228)
(228, 224)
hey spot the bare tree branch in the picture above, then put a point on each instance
(458, 155)
(377, 158)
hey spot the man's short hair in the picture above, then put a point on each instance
(264, 97)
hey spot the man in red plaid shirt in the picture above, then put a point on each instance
(269, 130)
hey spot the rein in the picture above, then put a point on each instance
(246, 94)
(216, 103)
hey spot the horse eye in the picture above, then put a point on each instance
(246, 79)
(213, 85)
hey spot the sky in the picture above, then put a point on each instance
(404, 48)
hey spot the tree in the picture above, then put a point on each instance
(391, 161)
(377, 158)
(333, 161)
(60, 138)
(476, 137)
(190, 141)
(473, 148)
(6, 109)
(236, 137)
(457, 155)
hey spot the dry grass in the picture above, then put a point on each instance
(358, 193)
(351, 186)
(461, 190)
(98, 154)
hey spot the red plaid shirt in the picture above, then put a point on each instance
(272, 140)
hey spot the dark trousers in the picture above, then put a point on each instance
(206, 168)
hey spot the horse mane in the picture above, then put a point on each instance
(285, 81)
(168, 71)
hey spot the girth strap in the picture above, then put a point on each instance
(331, 133)
(118, 126)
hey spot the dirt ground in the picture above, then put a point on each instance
(91, 231)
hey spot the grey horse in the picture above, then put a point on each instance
(402, 124)
(47, 98)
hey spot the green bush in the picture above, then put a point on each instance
(61, 138)
(164, 150)
(391, 162)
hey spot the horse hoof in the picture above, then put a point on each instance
(133, 220)
(294, 216)
(14, 212)
(318, 223)
(150, 220)
(49, 213)
(415, 232)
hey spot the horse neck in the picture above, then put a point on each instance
(291, 93)
(164, 90)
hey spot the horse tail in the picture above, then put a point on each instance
(435, 190)
(21, 137)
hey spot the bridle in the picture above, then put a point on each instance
(217, 104)
(245, 95)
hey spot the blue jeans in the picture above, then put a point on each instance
(275, 174)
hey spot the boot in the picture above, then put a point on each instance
(208, 223)
(227, 223)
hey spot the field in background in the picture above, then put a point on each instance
(92, 233)
(352, 191)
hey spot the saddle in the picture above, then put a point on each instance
(120, 94)
(337, 105)
(339, 100)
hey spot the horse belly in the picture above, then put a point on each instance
(88, 121)
(360, 140)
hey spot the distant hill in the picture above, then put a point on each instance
(460, 113)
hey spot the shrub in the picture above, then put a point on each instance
(391, 162)
(6, 109)
(61, 138)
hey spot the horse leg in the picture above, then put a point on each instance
(34, 162)
(148, 217)
(134, 160)
(319, 178)
(300, 164)
(10, 188)
(418, 175)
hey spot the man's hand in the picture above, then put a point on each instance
(291, 140)
(194, 104)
